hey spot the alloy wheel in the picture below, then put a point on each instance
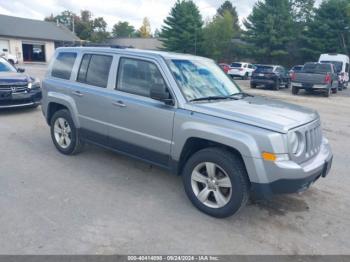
(211, 185)
(62, 132)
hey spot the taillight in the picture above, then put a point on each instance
(241, 69)
(293, 76)
(328, 79)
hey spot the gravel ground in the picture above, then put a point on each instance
(100, 202)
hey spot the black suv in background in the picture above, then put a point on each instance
(16, 88)
(271, 76)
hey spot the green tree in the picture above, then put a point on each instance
(85, 27)
(270, 30)
(145, 29)
(329, 31)
(182, 31)
(218, 35)
(227, 6)
(123, 29)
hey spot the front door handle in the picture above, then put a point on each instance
(77, 93)
(119, 104)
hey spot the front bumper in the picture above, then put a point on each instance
(289, 177)
(23, 99)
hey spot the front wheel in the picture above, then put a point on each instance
(277, 85)
(216, 182)
(64, 134)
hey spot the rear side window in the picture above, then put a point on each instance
(94, 70)
(137, 76)
(63, 65)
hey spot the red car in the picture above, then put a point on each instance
(225, 67)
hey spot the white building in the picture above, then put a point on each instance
(32, 40)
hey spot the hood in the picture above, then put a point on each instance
(258, 111)
(13, 77)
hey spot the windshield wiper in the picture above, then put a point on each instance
(242, 94)
(208, 98)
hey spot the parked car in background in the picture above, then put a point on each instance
(16, 88)
(316, 77)
(270, 76)
(296, 68)
(242, 70)
(225, 67)
(9, 57)
(183, 113)
(341, 65)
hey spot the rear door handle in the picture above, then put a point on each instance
(77, 93)
(119, 104)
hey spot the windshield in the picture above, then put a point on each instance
(265, 69)
(6, 66)
(201, 78)
(338, 66)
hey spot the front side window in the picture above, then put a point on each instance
(138, 76)
(94, 70)
(63, 65)
(201, 78)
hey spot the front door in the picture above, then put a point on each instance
(140, 126)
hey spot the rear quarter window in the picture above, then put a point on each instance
(63, 65)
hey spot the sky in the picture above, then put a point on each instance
(113, 11)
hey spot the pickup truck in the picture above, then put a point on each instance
(315, 77)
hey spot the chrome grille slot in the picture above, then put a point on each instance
(312, 135)
(14, 88)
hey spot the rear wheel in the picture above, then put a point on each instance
(295, 90)
(216, 182)
(252, 85)
(246, 76)
(288, 84)
(64, 134)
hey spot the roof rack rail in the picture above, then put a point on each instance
(104, 45)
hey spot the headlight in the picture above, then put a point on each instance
(295, 142)
(34, 85)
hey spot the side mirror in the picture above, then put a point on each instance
(160, 93)
(21, 70)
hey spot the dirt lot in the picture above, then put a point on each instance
(101, 202)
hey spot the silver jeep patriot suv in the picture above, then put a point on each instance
(182, 113)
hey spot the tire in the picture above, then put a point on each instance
(253, 86)
(288, 85)
(277, 85)
(246, 76)
(328, 92)
(341, 87)
(63, 118)
(228, 166)
(334, 90)
(295, 90)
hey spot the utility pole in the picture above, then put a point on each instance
(73, 25)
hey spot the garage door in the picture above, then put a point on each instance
(4, 44)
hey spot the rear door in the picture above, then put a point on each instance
(91, 96)
(140, 126)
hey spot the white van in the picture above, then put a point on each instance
(341, 64)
